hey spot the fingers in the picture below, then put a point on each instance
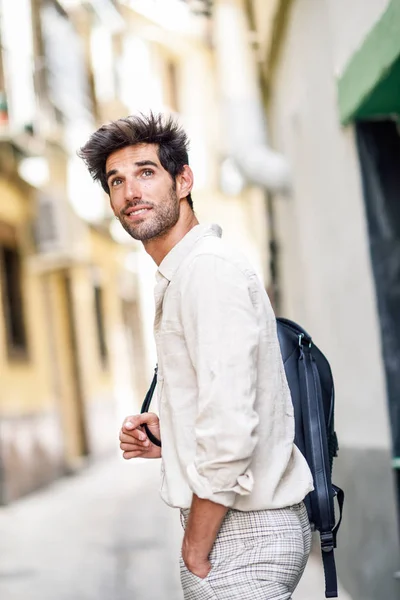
(134, 442)
(133, 436)
(131, 423)
(132, 454)
(129, 433)
(131, 449)
(127, 440)
(133, 439)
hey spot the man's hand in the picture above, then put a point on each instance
(197, 565)
(133, 437)
(204, 522)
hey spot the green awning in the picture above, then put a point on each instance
(370, 85)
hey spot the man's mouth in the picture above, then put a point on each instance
(136, 211)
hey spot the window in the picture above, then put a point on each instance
(10, 266)
(68, 87)
(18, 54)
(101, 337)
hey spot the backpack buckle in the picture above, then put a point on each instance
(327, 541)
(301, 340)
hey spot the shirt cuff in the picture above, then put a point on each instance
(201, 486)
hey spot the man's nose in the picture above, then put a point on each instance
(132, 189)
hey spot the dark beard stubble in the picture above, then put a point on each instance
(163, 217)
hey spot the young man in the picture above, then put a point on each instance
(226, 417)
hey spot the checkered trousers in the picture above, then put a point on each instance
(257, 555)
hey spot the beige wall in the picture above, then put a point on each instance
(23, 382)
(326, 273)
(56, 405)
(31, 442)
(105, 388)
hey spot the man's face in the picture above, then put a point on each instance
(142, 193)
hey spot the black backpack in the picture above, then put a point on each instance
(311, 386)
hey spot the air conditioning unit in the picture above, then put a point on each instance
(28, 142)
(59, 232)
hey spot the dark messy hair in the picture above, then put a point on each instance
(157, 129)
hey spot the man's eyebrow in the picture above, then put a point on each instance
(140, 163)
(145, 163)
(109, 173)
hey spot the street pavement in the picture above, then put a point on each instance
(102, 534)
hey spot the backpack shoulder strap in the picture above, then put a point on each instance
(146, 406)
(331, 587)
(317, 454)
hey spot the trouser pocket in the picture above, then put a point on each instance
(195, 588)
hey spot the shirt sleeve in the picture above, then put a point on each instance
(222, 334)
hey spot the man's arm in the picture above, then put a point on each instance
(222, 335)
(221, 332)
(202, 528)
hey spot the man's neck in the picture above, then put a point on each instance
(159, 247)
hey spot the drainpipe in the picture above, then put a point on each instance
(242, 111)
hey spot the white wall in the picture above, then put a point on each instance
(326, 270)
(350, 22)
(243, 216)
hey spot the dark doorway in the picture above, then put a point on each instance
(379, 151)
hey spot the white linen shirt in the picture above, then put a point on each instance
(226, 415)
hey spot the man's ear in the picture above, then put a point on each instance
(184, 182)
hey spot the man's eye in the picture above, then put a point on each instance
(148, 172)
(116, 181)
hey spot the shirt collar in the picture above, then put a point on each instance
(174, 258)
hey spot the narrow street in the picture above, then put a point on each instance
(103, 534)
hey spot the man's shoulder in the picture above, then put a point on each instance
(211, 249)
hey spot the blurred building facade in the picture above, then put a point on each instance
(59, 265)
(330, 75)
